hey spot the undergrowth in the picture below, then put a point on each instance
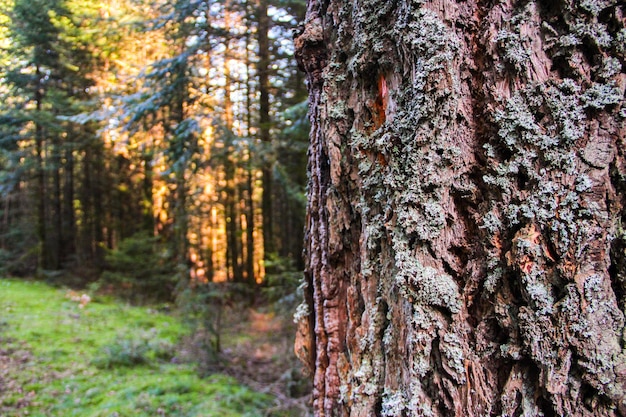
(102, 359)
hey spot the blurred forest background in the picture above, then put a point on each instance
(155, 151)
(147, 142)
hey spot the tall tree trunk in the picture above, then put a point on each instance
(231, 190)
(147, 208)
(179, 142)
(91, 222)
(40, 190)
(6, 224)
(69, 215)
(250, 172)
(263, 67)
(99, 199)
(56, 210)
(85, 249)
(465, 244)
(249, 260)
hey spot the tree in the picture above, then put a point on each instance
(48, 79)
(465, 238)
(263, 28)
(36, 34)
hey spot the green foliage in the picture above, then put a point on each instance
(34, 31)
(19, 255)
(291, 149)
(140, 269)
(282, 283)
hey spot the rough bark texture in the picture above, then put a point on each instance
(465, 241)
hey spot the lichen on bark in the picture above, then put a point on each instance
(465, 235)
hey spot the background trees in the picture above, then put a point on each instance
(126, 120)
(465, 220)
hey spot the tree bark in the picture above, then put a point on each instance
(465, 241)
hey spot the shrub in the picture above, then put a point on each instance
(207, 309)
(133, 350)
(281, 285)
(202, 307)
(140, 269)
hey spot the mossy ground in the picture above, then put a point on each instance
(57, 359)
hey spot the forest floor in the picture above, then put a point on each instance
(60, 356)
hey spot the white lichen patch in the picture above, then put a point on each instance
(419, 404)
(453, 357)
(598, 96)
(514, 47)
(302, 312)
(596, 6)
(394, 403)
(596, 32)
(610, 67)
(423, 220)
(363, 376)
(424, 284)
(567, 112)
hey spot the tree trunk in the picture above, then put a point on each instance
(250, 173)
(465, 241)
(40, 190)
(99, 199)
(249, 193)
(231, 189)
(86, 248)
(57, 203)
(263, 68)
(69, 215)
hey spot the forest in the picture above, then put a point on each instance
(424, 201)
(175, 129)
(154, 153)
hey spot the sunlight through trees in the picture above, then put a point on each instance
(181, 125)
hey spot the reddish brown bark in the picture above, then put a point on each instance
(465, 246)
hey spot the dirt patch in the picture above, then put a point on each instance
(261, 357)
(266, 363)
(14, 363)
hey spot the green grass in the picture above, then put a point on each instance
(107, 359)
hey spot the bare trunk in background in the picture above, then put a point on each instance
(465, 233)
(265, 121)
